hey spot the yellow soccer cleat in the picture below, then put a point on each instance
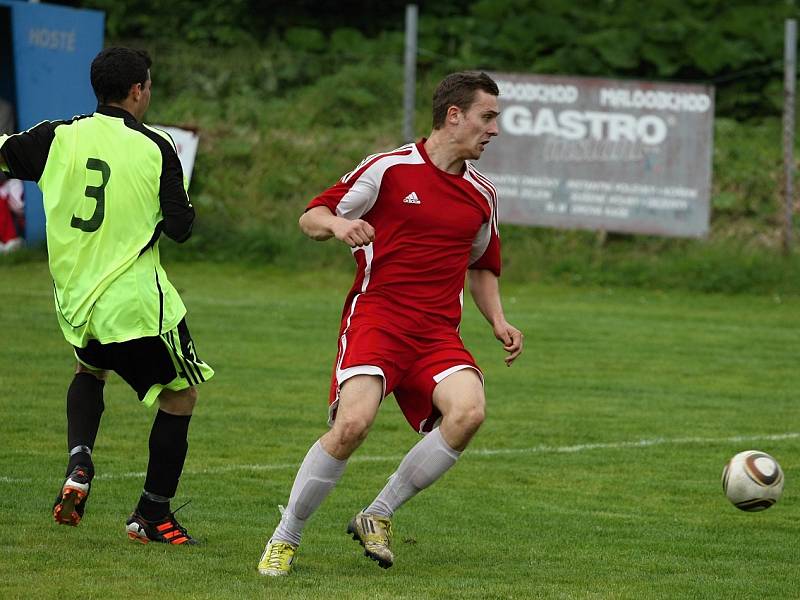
(277, 559)
(374, 533)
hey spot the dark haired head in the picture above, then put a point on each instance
(458, 89)
(115, 70)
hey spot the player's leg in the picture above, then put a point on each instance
(168, 446)
(460, 400)
(359, 400)
(153, 520)
(163, 368)
(322, 467)
(84, 409)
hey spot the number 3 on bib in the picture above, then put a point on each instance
(99, 195)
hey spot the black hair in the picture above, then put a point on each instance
(115, 70)
(458, 89)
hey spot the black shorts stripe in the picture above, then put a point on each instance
(169, 338)
(188, 373)
(196, 370)
(188, 353)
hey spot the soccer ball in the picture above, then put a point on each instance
(752, 480)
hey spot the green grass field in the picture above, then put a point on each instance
(595, 476)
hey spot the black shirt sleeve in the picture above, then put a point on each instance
(25, 154)
(178, 212)
(175, 206)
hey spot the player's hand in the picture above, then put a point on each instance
(511, 337)
(355, 233)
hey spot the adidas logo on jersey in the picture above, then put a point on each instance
(412, 199)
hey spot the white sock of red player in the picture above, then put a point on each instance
(316, 477)
(424, 464)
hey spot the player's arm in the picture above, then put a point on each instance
(176, 209)
(24, 155)
(485, 289)
(338, 211)
(319, 223)
(484, 271)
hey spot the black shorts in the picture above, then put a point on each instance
(150, 364)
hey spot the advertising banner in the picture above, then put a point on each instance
(186, 141)
(586, 153)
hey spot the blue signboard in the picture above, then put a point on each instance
(53, 47)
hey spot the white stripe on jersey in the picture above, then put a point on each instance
(483, 179)
(481, 242)
(485, 186)
(363, 193)
(487, 190)
(348, 176)
(343, 375)
(368, 254)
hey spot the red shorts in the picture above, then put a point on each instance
(410, 366)
(7, 229)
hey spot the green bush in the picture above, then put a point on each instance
(735, 44)
(748, 169)
(266, 149)
(284, 112)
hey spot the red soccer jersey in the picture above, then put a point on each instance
(430, 226)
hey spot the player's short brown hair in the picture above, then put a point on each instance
(458, 89)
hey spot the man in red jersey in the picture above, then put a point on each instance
(418, 220)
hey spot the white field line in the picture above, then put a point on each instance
(478, 452)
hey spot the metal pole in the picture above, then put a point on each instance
(410, 72)
(789, 80)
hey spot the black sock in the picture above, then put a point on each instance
(84, 408)
(168, 447)
(151, 509)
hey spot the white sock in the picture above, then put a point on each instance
(424, 464)
(316, 477)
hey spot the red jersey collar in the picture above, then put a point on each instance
(421, 147)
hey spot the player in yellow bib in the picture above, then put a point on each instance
(111, 186)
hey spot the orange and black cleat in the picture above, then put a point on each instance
(166, 531)
(71, 500)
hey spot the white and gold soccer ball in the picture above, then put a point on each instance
(752, 480)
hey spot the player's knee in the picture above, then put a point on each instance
(351, 429)
(98, 374)
(178, 403)
(469, 416)
(190, 396)
(475, 417)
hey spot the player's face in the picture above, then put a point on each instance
(478, 125)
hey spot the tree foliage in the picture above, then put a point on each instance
(735, 44)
